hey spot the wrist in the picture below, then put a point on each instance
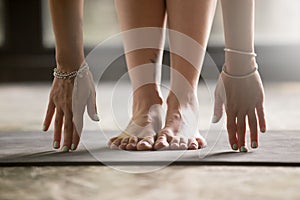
(70, 75)
(239, 64)
(69, 65)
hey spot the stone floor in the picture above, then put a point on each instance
(22, 108)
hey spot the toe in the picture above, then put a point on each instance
(161, 143)
(175, 143)
(124, 143)
(201, 142)
(111, 140)
(192, 144)
(183, 144)
(116, 143)
(145, 144)
(132, 143)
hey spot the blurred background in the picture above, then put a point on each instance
(27, 42)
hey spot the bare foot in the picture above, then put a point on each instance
(181, 128)
(145, 123)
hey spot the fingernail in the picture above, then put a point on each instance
(73, 147)
(55, 145)
(65, 149)
(254, 144)
(44, 128)
(243, 149)
(235, 147)
(96, 117)
(214, 119)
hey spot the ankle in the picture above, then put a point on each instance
(182, 100)
(147, 95)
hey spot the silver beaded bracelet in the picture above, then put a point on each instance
(70, 75)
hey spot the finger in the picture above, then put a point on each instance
(218, 109)
(49, 115)
(68, 131)
(92, 104)
(75, 139)
(241, 132)
(92, 108)
(232, 131)
(252, 121)
(261, 117)
(58, 128)
(78, 118)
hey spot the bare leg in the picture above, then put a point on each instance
(239, 35)
(142, 63)
(192, 18)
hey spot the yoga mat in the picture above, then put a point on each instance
(276, 148)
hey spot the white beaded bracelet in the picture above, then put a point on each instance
(70, 75)
(240, 52)
(239, 76)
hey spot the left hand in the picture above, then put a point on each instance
(241, 97)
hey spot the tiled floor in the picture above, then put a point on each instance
(22, 108)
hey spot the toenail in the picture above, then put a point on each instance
(145, 143)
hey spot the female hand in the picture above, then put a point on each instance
(68, 99)
(242, 97)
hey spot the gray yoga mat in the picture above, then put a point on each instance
(278, 148)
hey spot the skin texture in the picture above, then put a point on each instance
(133, 14)
(67, 18)
(182, 97)
(242, 98)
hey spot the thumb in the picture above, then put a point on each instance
(92, 107)
(218, 108)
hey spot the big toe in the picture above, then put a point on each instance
(145, 144)
(201, 142)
